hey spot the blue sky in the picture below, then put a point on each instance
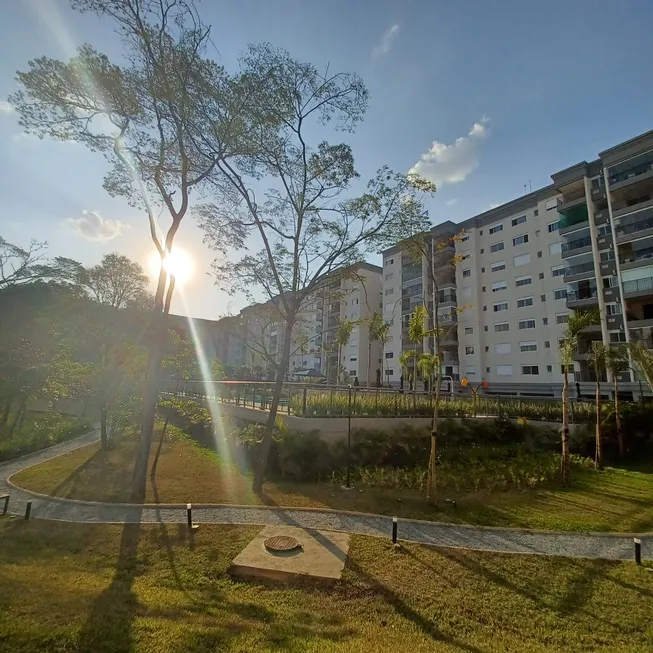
(481, 96)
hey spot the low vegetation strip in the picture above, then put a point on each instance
(146, 589)
(613, 500)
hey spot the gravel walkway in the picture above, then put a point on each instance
(582, 545)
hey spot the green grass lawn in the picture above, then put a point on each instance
(145, 589)
(612, 500)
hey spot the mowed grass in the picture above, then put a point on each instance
(146, 589)
(613, 500)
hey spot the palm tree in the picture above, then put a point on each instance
(384, 335)
(616, 363)
(416, 334)
(643, 359)
(404, 360)
(597, 357)
(428, 365)
(343, 334)
(374, 325)
(575, 324)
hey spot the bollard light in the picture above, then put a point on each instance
(395, 523)
(638, 550)
(28, 510)
(189, 515)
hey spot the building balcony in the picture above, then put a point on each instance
(448, 318)
(640, 324)
(635, 207)
(636, 258)
(634, 231)
(582, 298)
(571, 200)
(579, 272)
(638, 287)
(634, 175)
(576, 247)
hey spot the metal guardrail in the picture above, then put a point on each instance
(319, 400)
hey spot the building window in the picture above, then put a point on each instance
(613, 309)
(551, 204)
(389, 276)
(498, 266)
(485, 328)
(539, 254)
(560, 293)
(465, 238)
(520, 220)
(501, 306)
(528, 346)
(570, 369)
(389, 307)
(504, 370)
(499, 285)
(607, 255)
(524, 259)
(389, 291)
(520, 240)
(526, 324)
(501, 327)
(353, 359)
(496, 229)
(465, 255)
(547, 344)
(555, 248)
(617, 336)
(554, 226)
(389, 261)
(545, 321)
(502, 348)
(561, 318)
(389, 354)
(354, 302)
(549, 368)
(523, 281)
(389, 372)
(483, 289)
(469, 350)
(542, 298)
(557, 271)
(467, 273)
(523, 302)
(530, 370)
(536, 212)
(496, 247)
(469, 331)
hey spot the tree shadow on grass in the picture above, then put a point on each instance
(108, 626)
(398, 604)
(72, 478)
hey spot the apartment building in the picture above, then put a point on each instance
(585, 241)
(606, 224)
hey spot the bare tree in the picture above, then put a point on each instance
(305, 226)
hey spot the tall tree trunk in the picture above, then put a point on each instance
(6, 411)
(431, 483)
(103, 425)
(617, 418)
(369, 359)
(14, 423)
(598, 459)
(155, 462)
(564, 462)
(264, 447)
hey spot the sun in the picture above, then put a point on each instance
(178, 263)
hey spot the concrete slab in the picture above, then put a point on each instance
(322, 555)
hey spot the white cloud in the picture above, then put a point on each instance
(451, 202)
(449, 164)
(5, 107)
(387, 40)
(92, 226)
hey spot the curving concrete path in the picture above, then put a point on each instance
(581, 545)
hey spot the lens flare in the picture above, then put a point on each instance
(178, 263)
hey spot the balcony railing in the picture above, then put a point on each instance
(577, 296)
(638, 285)
(635, 171)
(581, 268)
(623, 230)
(443, 318)
(637, 255)
(576, 244)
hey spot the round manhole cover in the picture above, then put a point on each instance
(282, 543)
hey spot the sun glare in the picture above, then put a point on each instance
(178, 263)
